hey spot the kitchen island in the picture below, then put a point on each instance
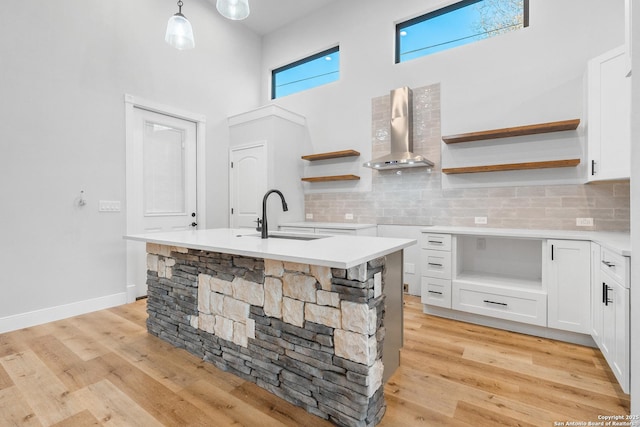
(315, 320)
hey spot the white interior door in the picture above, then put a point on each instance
(161, 192)
(247, 184)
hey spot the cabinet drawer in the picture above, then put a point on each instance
(617, 266)
(436, 264)
(510, 304)
(439, 242)
(436, 292)
(306, 230)
(335, 231)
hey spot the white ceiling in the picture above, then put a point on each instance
(269, 15)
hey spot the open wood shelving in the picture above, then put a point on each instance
(327, 156)
(331, 178)
(514, 166)
(514, 131)
(538, 128)
(331, 155)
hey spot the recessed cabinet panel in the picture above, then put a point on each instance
(617, 266)
(436, 292)
(609, 112)
(569, 287)
(436, 264)
(439, 242)
(519, 306)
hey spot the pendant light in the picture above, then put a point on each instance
(179, 31)
(233, 9)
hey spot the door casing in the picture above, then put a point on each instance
(132, 102)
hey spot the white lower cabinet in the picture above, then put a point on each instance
(436, 291)
(514, 304)
(435, 260)
(331, 230)
(569, 285)
(567, 289)
(610, 312)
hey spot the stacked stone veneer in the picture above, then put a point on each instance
(311, 335)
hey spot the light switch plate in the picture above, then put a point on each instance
(109, 206)
(409, 268)
(377, 285)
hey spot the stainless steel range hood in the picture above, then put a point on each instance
(401, 155)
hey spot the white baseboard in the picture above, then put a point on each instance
(131, 293)
(51, 314)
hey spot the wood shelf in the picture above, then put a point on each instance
(331, 178)
(514, 131)
(514, 166)
(331, 155)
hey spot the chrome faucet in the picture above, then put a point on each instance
(265, 231)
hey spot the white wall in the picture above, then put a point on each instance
(65, 68)
(635, 214)
(528, 76)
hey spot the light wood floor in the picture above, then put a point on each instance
(104, 369)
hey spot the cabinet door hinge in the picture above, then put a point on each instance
(231, 165)
(231, 211)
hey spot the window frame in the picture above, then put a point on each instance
(443, 11)
(294, 64)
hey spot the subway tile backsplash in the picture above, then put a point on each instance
(415, 197)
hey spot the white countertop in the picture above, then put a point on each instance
(330, 251)
(336, 225)
(618, 242)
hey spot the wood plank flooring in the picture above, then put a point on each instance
(104, 369)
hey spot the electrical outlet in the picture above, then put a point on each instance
(409, 268)
(584, 222)
(481, 220)
(348, 216)
(481, 244)
(308, 216)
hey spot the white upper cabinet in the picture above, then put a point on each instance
(609, 116)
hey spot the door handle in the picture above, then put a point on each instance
(194, 224)
(606, 290)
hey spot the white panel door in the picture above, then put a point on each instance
(163, 184)
(248, 184)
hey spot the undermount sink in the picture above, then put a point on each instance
(287, 236)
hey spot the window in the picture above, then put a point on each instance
(458, 24)
(315, 70)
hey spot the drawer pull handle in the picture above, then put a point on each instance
(609, 263)
(436, 242)
(504, 304)
(605, 294)
(435, 292)
(435, 264)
